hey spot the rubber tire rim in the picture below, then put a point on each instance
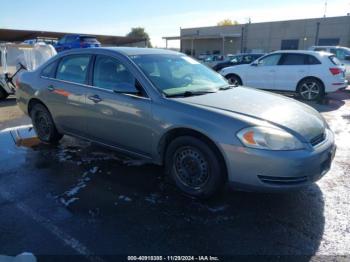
(191, 167)
(308, 88)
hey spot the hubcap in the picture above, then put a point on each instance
(310, 90)
(191, 167)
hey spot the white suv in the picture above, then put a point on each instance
(310, 74)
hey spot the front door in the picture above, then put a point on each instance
(262, 74)
(117, 119)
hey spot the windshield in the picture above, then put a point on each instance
(179, 74)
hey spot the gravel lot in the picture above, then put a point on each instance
(81, 199)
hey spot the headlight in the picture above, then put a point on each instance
(269, 138)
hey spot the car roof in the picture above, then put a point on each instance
(296, 52)
(126, 51)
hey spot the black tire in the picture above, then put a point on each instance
(43, 125)
(310, 89)
(195, 167)
(234, 80)
(3, 94)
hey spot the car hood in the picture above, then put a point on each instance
(283, 112)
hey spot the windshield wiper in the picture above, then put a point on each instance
(191, 93)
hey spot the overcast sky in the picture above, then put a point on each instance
(159, 17)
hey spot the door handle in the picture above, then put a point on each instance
(51, 88)
(96, 99)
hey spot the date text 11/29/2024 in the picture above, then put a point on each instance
(173, 258)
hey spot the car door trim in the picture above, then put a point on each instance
(95, 87)
(118, 148)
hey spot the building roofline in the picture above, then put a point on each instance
(269, 22)
(8, 33)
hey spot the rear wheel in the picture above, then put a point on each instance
(3, 94)
(44, 125)
(195, 167)
(310, 89)
(234, 80)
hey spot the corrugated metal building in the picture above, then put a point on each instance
(265, 37)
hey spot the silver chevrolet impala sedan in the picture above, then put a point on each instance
(170, 110)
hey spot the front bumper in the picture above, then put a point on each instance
(263, 170)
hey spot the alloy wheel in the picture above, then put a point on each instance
(310, 90)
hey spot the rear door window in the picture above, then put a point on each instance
(74, 69)
(293, 59)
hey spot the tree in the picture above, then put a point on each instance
(139, 32)
(227, 22)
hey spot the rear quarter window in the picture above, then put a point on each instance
(334, 60)
(49, 70)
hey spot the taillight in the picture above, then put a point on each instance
(335, 71)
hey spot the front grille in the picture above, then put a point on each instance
(283, 180)
(318, 139)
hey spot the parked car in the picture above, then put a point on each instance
(212, 60)
(76, 41)
(309, 74)
(16, 57)
(169, 109)
(239, 59)
(341, 52)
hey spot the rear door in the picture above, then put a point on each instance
(290, 70)
(118, 119)
(262, 74)
(65, 92)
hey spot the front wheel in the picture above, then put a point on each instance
(310, 89)
(195, 167)
(234, 80)
(44, 126)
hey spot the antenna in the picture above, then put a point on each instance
(325, 8)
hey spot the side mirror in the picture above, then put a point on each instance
(126, 88)
(254, 63)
